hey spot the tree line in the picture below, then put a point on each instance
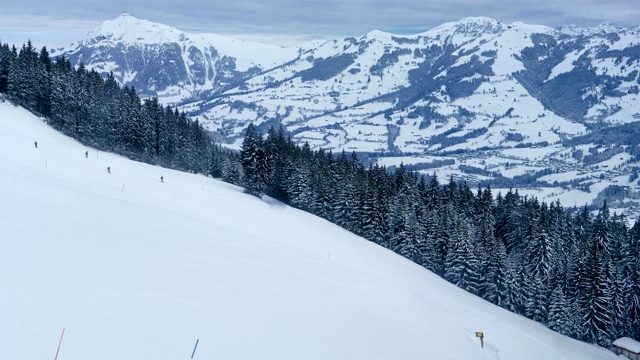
(577, 273)
(100, 113)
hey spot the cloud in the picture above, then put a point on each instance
(43, 30)
(59, 20)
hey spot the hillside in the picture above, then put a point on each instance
(135, 268)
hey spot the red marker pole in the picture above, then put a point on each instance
(59, 343)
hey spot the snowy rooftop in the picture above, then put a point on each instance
(629, 344)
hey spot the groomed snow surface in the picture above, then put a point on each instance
(134, 268)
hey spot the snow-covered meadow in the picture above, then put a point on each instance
(135, 268)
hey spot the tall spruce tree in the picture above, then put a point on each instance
(254, 162)
(461, 265)
(7, 59)
(279, 158)
(594, 299)
(558, 317)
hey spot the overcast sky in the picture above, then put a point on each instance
(60, 22)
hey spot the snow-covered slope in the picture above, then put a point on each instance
(134, 268)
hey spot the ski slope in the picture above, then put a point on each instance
(134, 268)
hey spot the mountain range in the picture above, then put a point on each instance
(511, 105)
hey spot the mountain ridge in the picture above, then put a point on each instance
(475, 92)
(159, 59)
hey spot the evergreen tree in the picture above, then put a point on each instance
(537, 305)
(487, 248)
(634, 279)
(347, 198)
(461, 265)
(594, 299)
(437, 219)
(558, 318)
(509, 222)
(232, 169)
(254, 162)
(61, 96)
(299, 188)
(167, 132)
(406, 237)
(513, 297)
(619, 278)
(7, 59)
(602, 232)
(323, 185)
(279, 157)
(374, 217)
(22, 78)
(502, 277)
(540, 260)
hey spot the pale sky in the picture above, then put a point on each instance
(286, 22)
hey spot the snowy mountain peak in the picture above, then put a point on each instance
(467, 29)
(607, 28)
(479, 21)
(478, 26)
(129, 29)
(604, 28)
(572, 30)
(155, 57)
(377, 35)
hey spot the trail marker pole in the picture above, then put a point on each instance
(194, 348)
(59, 343)
(480, 335)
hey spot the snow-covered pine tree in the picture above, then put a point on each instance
(254, 162)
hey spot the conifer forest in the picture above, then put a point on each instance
(576, 272)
